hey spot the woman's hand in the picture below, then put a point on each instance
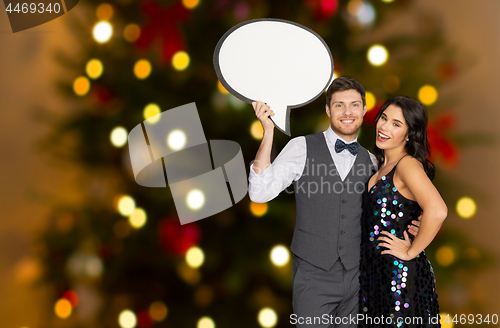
(395, 246)
(414, 227)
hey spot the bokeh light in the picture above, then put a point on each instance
(205, 322)
(445, 256)
(142, 69)
(256, 130)
(221, 88)
(102, 32)
(195, 257)
(180, 60)
(258, 209)
(190, 4)
(126, 205)
(279, 255)
(370, 100)
(63, 308)
(151, 110)
(446, 321)
(138, 218)
(104, 11)
(81, 85)
(158, 311)
(195, 199)
(387, 1)
(72, 297)
(466, 207)
(427, 95)
(267, 317)
(118, 136)
(377, 55)
(127, 319)
(176, 139)
(94, 68)
(132, 32)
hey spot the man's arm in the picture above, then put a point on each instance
(267, 180)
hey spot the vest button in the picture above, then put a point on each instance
(344, 201)
(343, 216)
(341, 232)
(340, 247)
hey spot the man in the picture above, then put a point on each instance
(329, 170)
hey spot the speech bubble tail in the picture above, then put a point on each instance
(281, 118)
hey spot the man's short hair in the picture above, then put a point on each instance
(344, 83)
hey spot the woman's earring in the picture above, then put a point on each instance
(407, 139)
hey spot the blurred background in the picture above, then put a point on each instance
(82, 245)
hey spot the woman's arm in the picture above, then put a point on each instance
(412, 175)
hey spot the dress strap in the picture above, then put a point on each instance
(400, 160)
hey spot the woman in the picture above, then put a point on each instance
(397, 280)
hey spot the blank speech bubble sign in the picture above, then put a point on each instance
(279, 62)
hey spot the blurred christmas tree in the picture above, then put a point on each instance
(122, 259)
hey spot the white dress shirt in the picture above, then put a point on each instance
(289, 165)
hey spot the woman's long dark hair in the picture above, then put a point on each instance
(415, 116)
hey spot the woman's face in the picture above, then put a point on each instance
(391, 129)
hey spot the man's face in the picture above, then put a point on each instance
(346, 113)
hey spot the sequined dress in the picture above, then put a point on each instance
(390, 287)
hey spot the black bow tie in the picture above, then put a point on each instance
(353, 148)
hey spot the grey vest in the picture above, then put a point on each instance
(328, 209)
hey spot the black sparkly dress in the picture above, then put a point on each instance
(393, 292)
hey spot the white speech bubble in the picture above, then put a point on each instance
(279, 62)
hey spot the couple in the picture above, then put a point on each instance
(343, 203)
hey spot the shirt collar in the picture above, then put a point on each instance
(332, 136)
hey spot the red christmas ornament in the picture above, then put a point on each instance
(370, 115)
(163, 26)
(176, 238)
(441, 146)
(326, 9)
(102, 95)
(144, 320)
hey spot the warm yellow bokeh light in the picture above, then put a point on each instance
(353, 7)
(221, 88)
(102, 32)
(126, 205)
(142, 69)
(279, 255)
(256, 130)
(127, 319)
(387, 1)
(180, 60)
(446, 320)
(158, 311)
(445, 255)
(466, 207)
(138, 218)
(118, 136)
(176, 139)
(94, 68)
(104, 11)
(267, 318)
(81, 86)
(427, 95)
(151, 110)
(205, 322)
(258, 209)
(195, 199)
(195, 257)
(190, 4)
(377, 55)
(131, 32)
(63, 308)
(370, 100)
